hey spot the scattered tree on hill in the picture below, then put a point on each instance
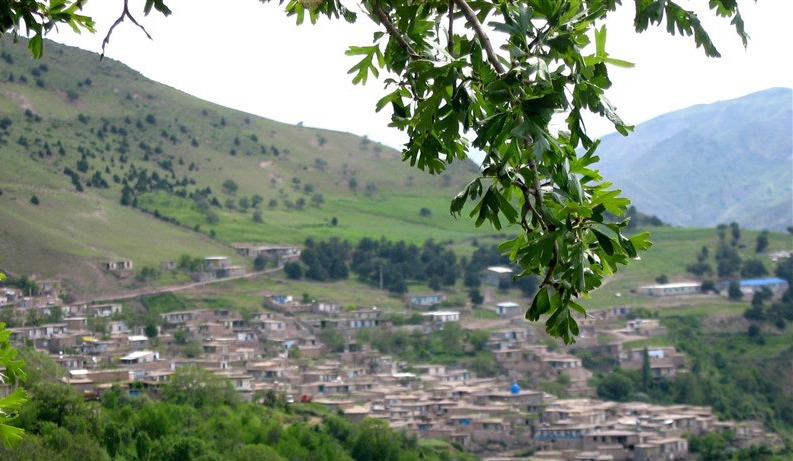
(259, 262)
(618, 385)
(34, 199)
(211, 217)
(753, 268)
(230, 186)
(735, 231)
(728, 262)
(699, 269)
(734, 292)
(762, 242)
(709, 285)
(293, 270)
(476, 297)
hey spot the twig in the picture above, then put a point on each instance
(548, 280)
(484, 40)
(450, 44)
(527, 205)
(124, 14)
(392, 30)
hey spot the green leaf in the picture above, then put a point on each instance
(539, 305)
(10, 436)
(641, 241)
(604, 241)
(14, 400)
(36, 45)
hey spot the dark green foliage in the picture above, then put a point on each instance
(618, 385)
(333, 339)
(451, 346)
(734, 292)
(784, 269)
(259, 263)
(293, 270)
(762, 242)
(150, 330)
(753, 268)
(728, 372)
(755, 334)
(23, 282)
(230, 186)
(326, 260)
(198, 387)
(638, 219)
(728, 262)
(392, 264)
(476, 297)
(709, 286)
(34, 199)
(699, 269)
(147, 273)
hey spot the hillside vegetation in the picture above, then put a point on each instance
(100, 163)
(198, 417)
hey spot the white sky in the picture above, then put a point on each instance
(250, 57)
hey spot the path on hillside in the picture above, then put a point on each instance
(148, 291)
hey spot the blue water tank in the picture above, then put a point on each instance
(515, 389)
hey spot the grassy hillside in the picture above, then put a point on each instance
(673, 249)
(107, 152)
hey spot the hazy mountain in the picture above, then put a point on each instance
(710, 164)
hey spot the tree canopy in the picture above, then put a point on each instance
(491, 76)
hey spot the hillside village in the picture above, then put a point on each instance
(278, 352)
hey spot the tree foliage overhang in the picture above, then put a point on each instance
(451, 90)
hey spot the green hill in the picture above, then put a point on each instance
(710, 164)
(124, 167)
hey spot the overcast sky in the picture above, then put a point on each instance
(250, 57)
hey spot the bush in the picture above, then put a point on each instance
(734, 292)
(293, 270)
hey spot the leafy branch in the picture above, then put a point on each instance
(454, 92)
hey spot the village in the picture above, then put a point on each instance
(279, 350)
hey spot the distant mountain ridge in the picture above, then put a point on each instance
(710, 164)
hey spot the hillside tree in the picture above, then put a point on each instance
(452, 90)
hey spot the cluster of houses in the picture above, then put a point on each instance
(278, 349)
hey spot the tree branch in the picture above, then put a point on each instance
(484, 40)
(392, 30)
(124, 14)
(450, 44)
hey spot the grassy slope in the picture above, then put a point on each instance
(673, 249)
(198, 138)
